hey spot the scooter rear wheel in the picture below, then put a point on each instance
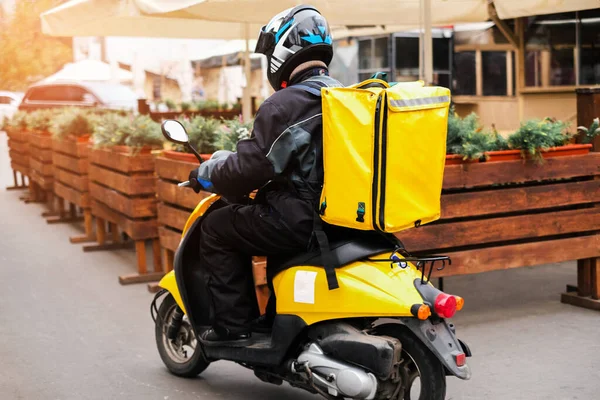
(184, 355)
(422, 374)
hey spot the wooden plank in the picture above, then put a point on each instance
(521, 255)
(41, 155)
(171, 216)
(456, 234)
(595, 269)
(44, 182)
(74, 164)
(472, 175)
(41, 168)
(78, 182)
(19, 158)
(18, 135)
(126, 184)
(40, 141)
(19, 147)
(169, 192)
(122, 162)
(584, 278)
(575, 300)
(23, 169)
(174, 170)
(136, 207)
(500, 201)
(71, 148)
(135, 229)
(72, 195)
(259, 270)
(169, 239)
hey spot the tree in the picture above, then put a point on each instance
(26, 54)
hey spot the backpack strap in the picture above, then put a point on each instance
(328, 259)
(315, 84)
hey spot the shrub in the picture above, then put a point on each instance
(202, 133)
(73, 122)
(116, 130)
(232, 131)
(535, 136)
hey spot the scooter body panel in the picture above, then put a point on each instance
(169, 282)
(367, 289)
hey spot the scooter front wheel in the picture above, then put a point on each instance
(182, 354)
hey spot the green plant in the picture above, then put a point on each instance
(40, 120)
(590, 133)
(73, 122)
(467, 137)
(535, 136)
(113, 129)
(207, 105)
(17, 122)
(170, 104)
(232, 131)
(185, 106)
(202, 133)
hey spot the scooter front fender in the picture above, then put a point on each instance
(169, 283)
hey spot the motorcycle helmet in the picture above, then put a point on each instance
(293, 37)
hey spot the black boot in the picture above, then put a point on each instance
(223, 337)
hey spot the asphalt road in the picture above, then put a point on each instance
(68, 330)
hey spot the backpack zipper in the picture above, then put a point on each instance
(375, 184)
(383, 166)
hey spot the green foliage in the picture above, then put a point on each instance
(536, 136)
(112, 129)
(73, 122)
(185, 106)
(40, 120)
(467, 137)
(203, 134)
(233, 131)
(590, 133)
(170, 104)
(26, 55)
(18, 121)
(207, 105)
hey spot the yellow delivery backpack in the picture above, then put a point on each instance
(384, 150)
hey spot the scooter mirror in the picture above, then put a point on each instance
(174, 131)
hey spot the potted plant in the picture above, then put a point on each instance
(71, 130)
(232, 131)
(589, 134)
(18, 146)
(40, 145)
(122, 185)
(539, 139)
(203, 134)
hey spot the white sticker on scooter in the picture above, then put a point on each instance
(304, 287)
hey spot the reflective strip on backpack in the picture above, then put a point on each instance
(420, 101)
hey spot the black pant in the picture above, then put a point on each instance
(230, 236)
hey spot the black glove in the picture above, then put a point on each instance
(198, 184)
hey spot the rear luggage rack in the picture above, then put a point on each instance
(401, 258)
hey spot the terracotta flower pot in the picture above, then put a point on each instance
(503, 155)
(456, 159)
(179, 156)
(568, 150)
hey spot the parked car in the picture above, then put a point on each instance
(9, 103)
(53, 94)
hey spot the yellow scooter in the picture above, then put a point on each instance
(383, 334)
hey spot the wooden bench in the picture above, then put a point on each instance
(501, 215)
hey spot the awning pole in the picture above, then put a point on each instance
(246, 100)
(428, 43)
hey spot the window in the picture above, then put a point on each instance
(66, 93)
(589, 52)
(373, 56)
(493, 69)
(407, 59)
(464, 82)
(550, 50)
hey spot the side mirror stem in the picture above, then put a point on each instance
(193, 150)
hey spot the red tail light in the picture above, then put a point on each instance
(445, 305)
(460, 359)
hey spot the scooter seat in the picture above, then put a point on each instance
(344, 251)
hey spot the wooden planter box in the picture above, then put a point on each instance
(122, 189)
(41, 169)
(175, 205)
(18, 150)
(513, 214)
(70, 160)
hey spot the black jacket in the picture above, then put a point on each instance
(284, 155)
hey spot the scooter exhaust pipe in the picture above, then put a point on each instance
(334, 377)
